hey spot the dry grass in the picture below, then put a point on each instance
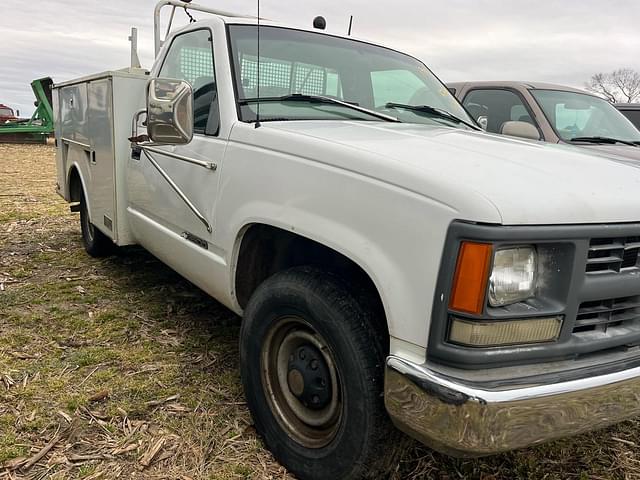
(119, 368)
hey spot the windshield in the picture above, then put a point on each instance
(575, 115)
(314, 64)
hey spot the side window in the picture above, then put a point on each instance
(634, 116)
(519, 114)
(495, 107)
(190, 58)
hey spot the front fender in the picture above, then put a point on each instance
(395, 236)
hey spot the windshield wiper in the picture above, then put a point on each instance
(298, 97)
(433, 111)
(608, 140)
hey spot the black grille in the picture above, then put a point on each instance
(613, 254)
(604, 314)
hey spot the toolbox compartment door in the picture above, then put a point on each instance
(101, 168)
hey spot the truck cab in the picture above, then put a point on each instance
(396, 268)
(6, 114)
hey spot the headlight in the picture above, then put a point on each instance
(513, 278)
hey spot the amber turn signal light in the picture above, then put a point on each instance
(471, 277)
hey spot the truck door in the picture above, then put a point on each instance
(176, 186)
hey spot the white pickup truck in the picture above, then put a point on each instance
(393, 264)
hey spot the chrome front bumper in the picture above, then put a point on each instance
(466, 421)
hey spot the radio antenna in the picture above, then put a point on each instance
(350, 25)
(258, 74)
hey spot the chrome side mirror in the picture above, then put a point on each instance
(521, 130)
(169, 111)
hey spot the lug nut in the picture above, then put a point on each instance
(314, 364)
(303, 355)
(315, 399)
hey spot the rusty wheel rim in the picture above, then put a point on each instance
(301, 382)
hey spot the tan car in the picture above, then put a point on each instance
(552, 113)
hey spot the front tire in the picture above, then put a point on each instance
(96, 243)
(312, 370)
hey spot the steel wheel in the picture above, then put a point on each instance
(301, 381)
(312, 369)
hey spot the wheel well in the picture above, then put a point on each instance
(75, 185)
(266, 250)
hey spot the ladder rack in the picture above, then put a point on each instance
(187, 6)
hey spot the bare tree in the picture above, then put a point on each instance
(619, 86)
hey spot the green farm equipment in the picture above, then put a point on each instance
(40, 125)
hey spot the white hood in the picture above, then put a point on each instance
(528, 183)
(621, 152)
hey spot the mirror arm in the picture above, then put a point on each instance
(135, 138)
(150, 147)
(179, 192)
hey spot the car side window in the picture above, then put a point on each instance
(190, 58)
(633, 116)
(493, 108)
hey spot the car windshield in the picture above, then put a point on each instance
(577, 115)
(299, 63)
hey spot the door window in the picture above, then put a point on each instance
(494, 108)
(634, 116)
(190, 58)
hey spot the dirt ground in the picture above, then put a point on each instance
(119, 368)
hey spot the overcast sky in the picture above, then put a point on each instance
(561, 41)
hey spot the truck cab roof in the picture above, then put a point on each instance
(210, 21)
